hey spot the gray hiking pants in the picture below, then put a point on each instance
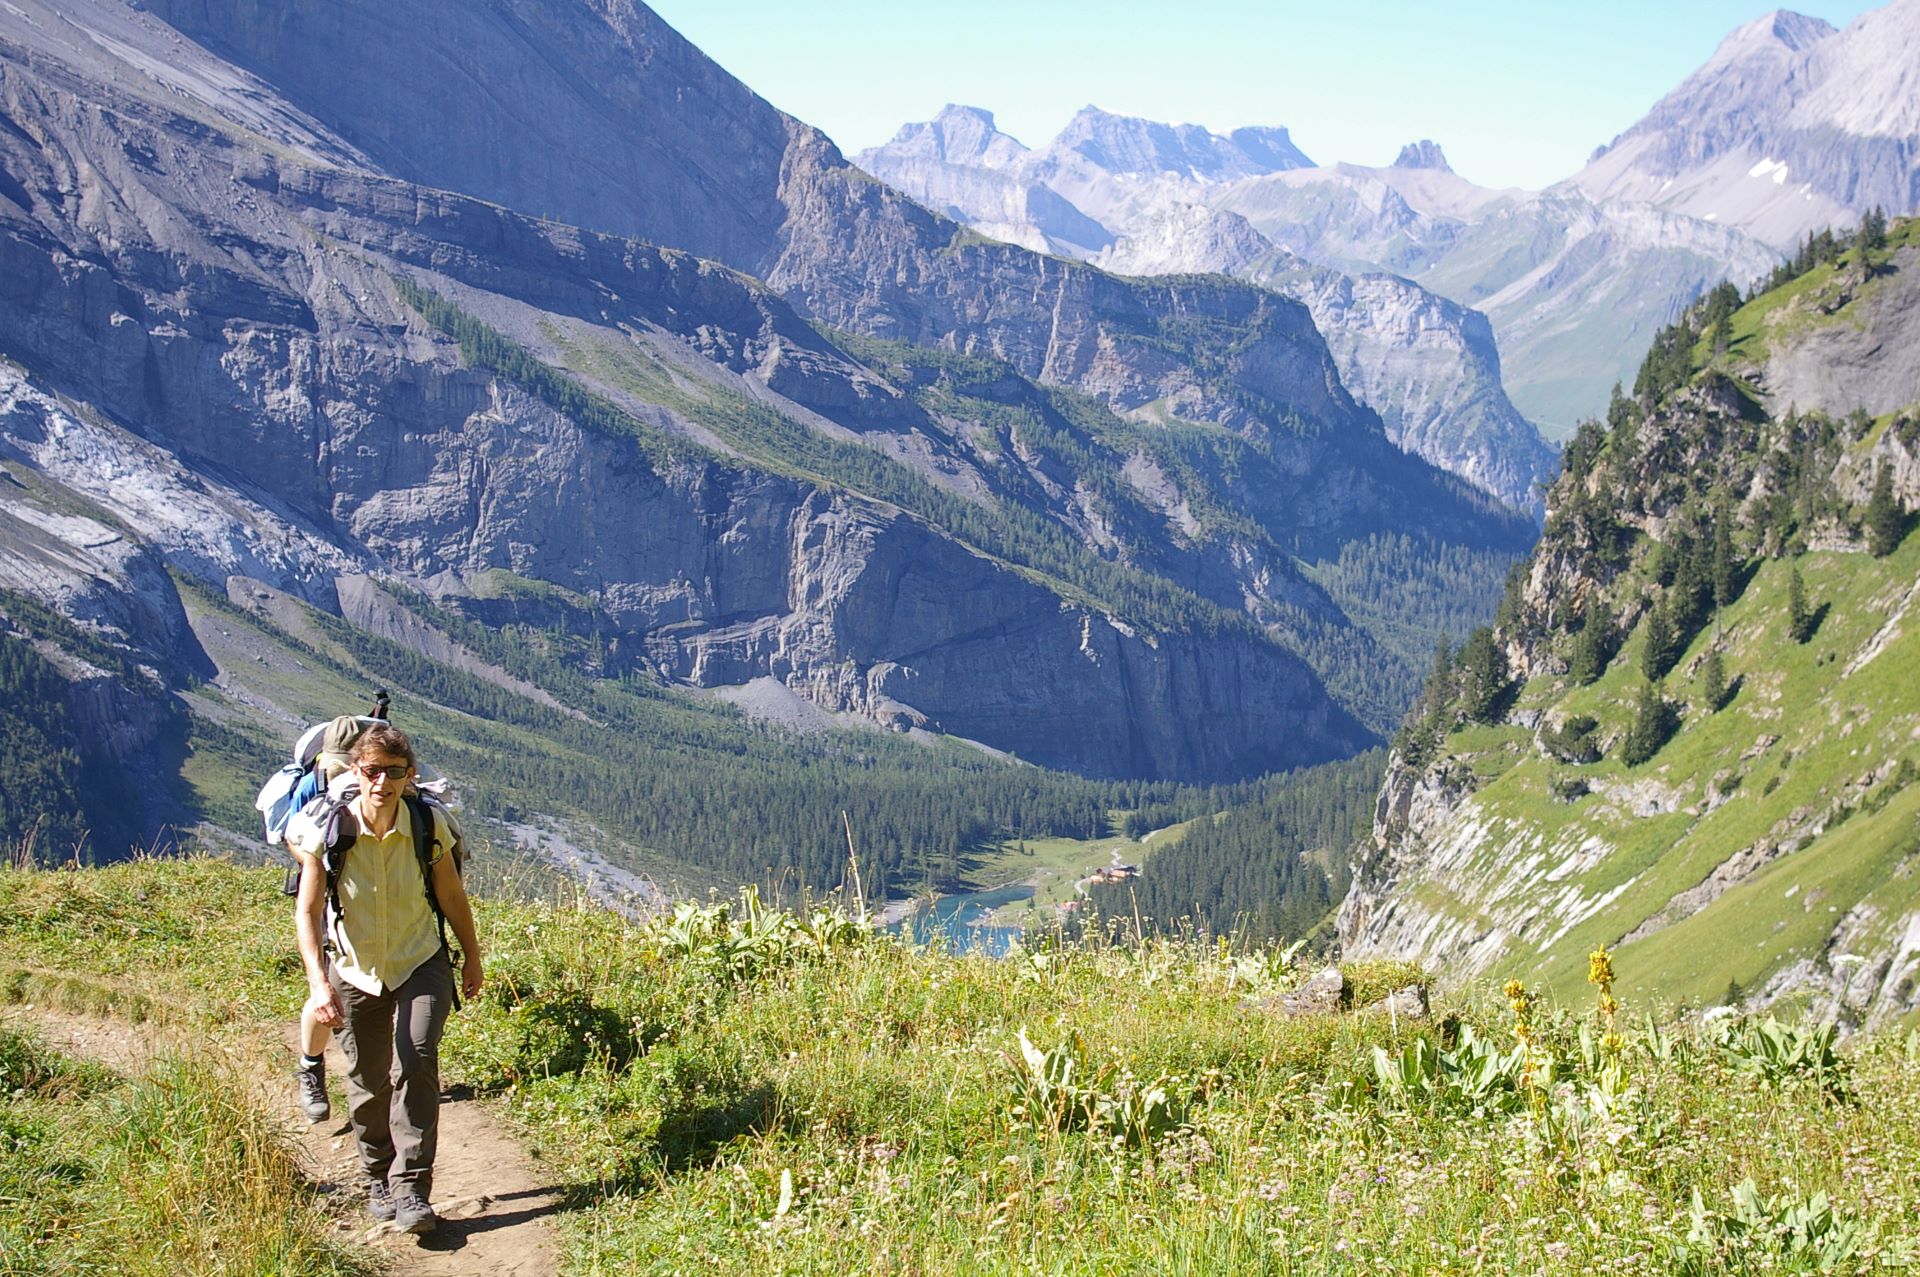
(392, 1045)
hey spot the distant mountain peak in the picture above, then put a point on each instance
(1781, 30)
(959, 135)
(1425, 153)
(1271, 146)
(1128, 144)
(1789, 126)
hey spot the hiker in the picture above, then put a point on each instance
(329, 765)
(369, 891)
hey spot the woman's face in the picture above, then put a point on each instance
(382, 777)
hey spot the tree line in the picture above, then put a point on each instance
(1272, 869)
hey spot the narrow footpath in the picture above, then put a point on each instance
(496, 1211)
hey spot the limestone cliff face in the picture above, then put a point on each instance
(211, 351)
(1427, 367)
(528, 105)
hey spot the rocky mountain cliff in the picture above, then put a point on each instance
(1125, 194)
(1429, 367)
(279, 315)
(1789, 128)
(1691, 733)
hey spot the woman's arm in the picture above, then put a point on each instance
(452, 895)
(309, 922)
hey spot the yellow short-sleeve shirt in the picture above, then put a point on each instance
(386, 927)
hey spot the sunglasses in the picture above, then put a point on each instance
(393, 771)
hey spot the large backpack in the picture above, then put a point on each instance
(282, 795)
(321, 749)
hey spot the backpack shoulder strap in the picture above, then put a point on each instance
(338, 832)
(426, 833)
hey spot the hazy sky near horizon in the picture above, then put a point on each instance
(1518, 94)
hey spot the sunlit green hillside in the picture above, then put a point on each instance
(738, 1090)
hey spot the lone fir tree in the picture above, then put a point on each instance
(1653, 723)
(1594, 645)
(1801, 619)
(1483, 667)
(1886, 522)
(1725, 570)
(1713, 682)
(1663, 641)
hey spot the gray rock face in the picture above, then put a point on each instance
(1425, 153)
(554, 135)
(1133, 146)
(216, 355)
(1875, 367)
(1429, 368)
(1408, 1003)
(1320, 995)
(1790, 127)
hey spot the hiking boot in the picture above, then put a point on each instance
(380, 1201)
(411, 1214)
(312, 1086)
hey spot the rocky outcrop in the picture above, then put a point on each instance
(1841, 368)
(1425, 153)
(1427, 366)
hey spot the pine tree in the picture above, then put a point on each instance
(1619, 411)
(1483, 667)
(1872, 235)
(1663, 642)
(1726, 576)
(1594, 645)
(1721, 303)
(1652, 724)
(1713, 682)
(1800, 618)
(1886, 522)
(1440, 678)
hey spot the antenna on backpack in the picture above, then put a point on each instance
(380, 702)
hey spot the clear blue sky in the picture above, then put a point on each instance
(1517, 93)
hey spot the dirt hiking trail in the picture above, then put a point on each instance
(495, 1210)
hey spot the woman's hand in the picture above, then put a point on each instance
(471, 977)
(324, 1003)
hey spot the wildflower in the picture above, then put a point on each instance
(1600, 975)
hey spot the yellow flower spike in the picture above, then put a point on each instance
(1600, 967)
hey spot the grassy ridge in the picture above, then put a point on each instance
(1764, 824)
(757, 1094)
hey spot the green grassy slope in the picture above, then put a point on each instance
(823, 1100)
(1840, 728)
(1770, 842)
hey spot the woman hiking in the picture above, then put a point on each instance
(372, 896)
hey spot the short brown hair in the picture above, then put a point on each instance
(384, 738)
